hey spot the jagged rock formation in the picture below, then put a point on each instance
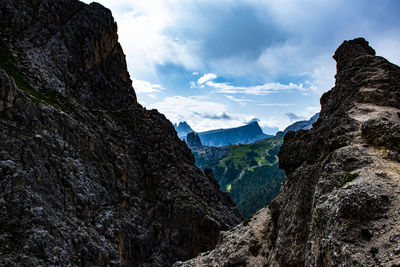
(239, 135)
(299, 125)
(87, 176)
(193, 140)
(183, 129)
(340, 202)
(211, 154)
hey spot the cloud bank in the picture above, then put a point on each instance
(256, 58)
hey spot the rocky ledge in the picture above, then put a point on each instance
(88, 177)
(340, 202)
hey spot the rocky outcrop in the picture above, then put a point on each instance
(183, 129)
(193, 140)
(88, 177)
(340, 202)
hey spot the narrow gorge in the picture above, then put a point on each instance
(89, 177)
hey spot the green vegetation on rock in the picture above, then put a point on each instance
(348, 177)
(249, 172)
(7, 63)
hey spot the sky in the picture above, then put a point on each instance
(220, 64)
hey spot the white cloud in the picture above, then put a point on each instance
(269, 122)
(293, 117)
(176, 107)
(322, 78)
(272, 59)
(142, 33)
(146, 87)
(263, 89)
(309, 111)
(192, 84)
(276, 104)
(206, 77)
(241, 101)
(388, 46)
(201, 113)
(152, 33)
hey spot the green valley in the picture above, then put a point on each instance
(249, 172)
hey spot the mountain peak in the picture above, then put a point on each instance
(350, 50)
(353, 48)
(243, 134)
(252, 121)
(183, 124)
(182, 129)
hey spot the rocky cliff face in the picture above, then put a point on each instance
(193, 140)
(340, 202)
(87, 176)
(183, 129)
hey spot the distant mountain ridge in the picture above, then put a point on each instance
(246, 134)
(299, 125)
(182, 129)
(239, 135)
(248, 171)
